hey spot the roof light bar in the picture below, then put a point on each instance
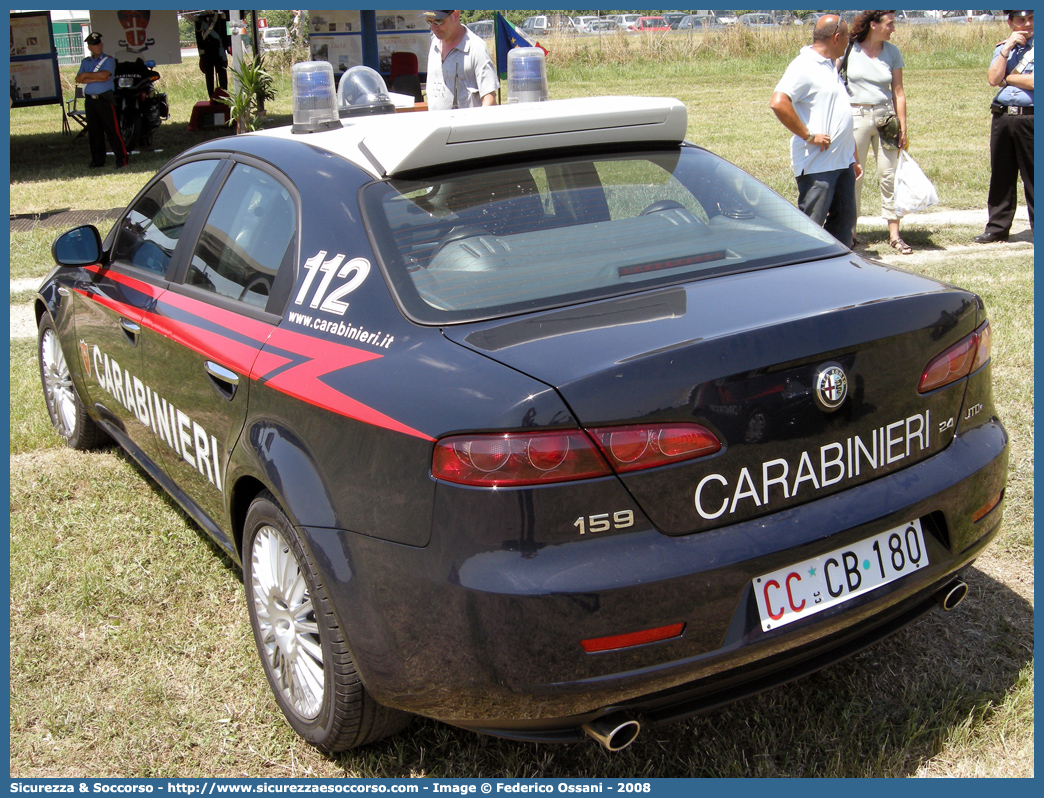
(315, 98)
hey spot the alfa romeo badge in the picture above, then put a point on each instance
(831, 387)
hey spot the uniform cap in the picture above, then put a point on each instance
(438, 16)
(93, 38)
(1019, 13)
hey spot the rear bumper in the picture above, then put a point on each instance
(710, 693)
(480, 631)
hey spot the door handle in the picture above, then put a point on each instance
(219, 372)
(131, 329)
(225, 380)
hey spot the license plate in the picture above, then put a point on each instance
(808, 587)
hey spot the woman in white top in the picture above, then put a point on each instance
(875, 81)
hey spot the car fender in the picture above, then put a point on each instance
(271, 454)
(49, 300)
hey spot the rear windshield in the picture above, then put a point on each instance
(495, 242)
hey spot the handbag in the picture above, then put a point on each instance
(913, 190)
(888, 129)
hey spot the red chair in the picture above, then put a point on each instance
(404, 77)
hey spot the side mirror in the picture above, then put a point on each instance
(150, 64)
(81, 246)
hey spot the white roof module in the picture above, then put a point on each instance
(395, 143)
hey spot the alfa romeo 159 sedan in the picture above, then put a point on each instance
(536, 419)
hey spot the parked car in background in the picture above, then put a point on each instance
(275, 39)
(625, 21)
(915, 18)
(699, 22)
(673, 18)
(536, 26)
(725, 17)
(602, 26)
(651, 24)
(542, 25)
(482, 27)
(758, 20)
(583, 23)
(972, 16)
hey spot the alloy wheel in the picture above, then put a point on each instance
(57, 383)
(287, 623)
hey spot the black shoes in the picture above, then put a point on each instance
(990, 238)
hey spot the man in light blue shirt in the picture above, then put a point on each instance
(95, 76)
(811, 101)
(1011, 132)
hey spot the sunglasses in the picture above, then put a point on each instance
(438, 22)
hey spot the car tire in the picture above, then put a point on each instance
(68, 414)
(303, 650)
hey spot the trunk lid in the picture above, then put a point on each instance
(740, 354)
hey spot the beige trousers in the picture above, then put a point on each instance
(865, 136)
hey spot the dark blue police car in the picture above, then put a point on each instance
(534, 419)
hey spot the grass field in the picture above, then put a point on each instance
(130, 646)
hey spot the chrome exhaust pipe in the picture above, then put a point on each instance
(612, 732)
(952, 595)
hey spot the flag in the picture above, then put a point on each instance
(507, 38)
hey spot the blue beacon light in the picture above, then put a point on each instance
(315, 97)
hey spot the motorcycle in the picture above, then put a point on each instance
(139, 107)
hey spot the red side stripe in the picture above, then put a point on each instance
(131, 282)
(251, 328)
(234, 354)
(301, 381)
(131, 312)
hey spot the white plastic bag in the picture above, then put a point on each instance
(913, 190)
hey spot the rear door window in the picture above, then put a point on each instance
(248, 236)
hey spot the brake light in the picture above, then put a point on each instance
(636, 447)
(957, 362)
(982, 354)
(515, 459)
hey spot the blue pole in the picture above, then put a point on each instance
(370, 55)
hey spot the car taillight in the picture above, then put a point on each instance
(960, 360)
(517, 458)
(645, 446)
(514, 459)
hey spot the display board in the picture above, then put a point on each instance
(337, 37)
(148, 35)
(34, 61)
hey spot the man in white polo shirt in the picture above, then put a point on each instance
(812, 103)
(460, 72)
